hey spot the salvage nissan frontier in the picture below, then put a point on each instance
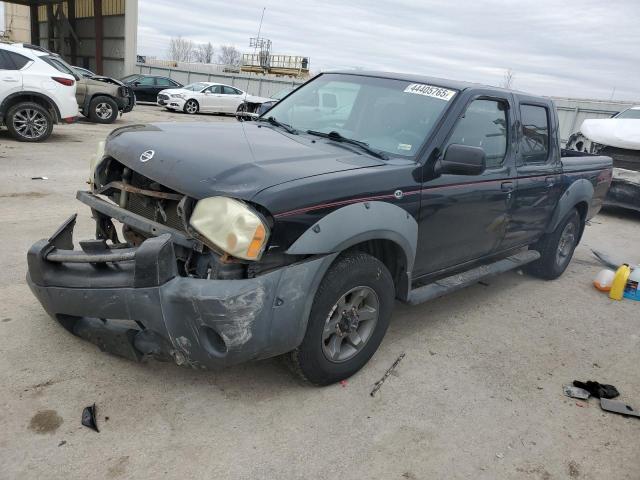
(295, 234)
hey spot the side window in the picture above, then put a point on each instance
(146, 81)
(534, 144)
(217, 89)
(4, 62)
(18, 60)
(230, 91)
(484, 125)
(164, 82)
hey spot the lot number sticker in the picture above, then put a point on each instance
(430, 91)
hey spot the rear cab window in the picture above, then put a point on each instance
(534, 139)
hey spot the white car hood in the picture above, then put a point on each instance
(169, 91)
(615, 132)
(254, 99)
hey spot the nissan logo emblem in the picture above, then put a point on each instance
(147, 155)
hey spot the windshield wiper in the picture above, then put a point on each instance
(276, 123)
(337, 137)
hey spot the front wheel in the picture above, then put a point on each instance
(349, 317)
(556, 248)
(103, 110)
(191, 107)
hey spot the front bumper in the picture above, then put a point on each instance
(624, 191)
(132, 302)
(172, 103)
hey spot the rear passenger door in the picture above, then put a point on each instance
(464, 218)
(231, 99)
(539, 172)
(10, 75)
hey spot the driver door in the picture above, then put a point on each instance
(464, 218)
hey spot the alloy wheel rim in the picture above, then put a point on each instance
(567, 241)
(30, 123)
(350, 324)
(191, 107)
(104, 111)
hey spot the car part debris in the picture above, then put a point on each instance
(632, 289)
(39, 178)
(616, 406)
(607, 260)
(575, 392)
(604, 280)
(89, 417)
(598, 390)
(379, 383)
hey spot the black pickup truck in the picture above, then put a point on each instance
(296, 233)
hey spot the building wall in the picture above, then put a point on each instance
(16, 23)
(119, 42)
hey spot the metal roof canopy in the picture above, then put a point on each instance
(70, 20)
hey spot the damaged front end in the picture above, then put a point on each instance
(165, 291)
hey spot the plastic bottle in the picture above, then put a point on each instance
(620, 282)
(632, 290)
(604, 279)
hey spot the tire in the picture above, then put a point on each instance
(328, 353)
(191, 107)
(103, 109)
(29, 122)
(556, 248)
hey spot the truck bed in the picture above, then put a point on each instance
(573, 161)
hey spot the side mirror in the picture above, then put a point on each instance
(462, 160)
(136, 84)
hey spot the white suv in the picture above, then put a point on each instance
(37, 89)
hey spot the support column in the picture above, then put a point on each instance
(35, 27)
(97, 14)
(71, 16)
(51, 31)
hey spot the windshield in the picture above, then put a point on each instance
(633, 113)
(281, 94)
(394, 116)
(196, 87)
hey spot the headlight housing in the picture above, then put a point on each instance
(95, 161)
(232, 226)
(177, 95)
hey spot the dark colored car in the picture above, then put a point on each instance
(296, 234)
(147, 87)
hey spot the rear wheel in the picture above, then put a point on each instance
(103, 110)
(29, 122)
(349, 317)
(191, 107)
(556, 248)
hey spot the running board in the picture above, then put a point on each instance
(461, 280)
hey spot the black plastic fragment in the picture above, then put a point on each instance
(598, 390)
(89, 417)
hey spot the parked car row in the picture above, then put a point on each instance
(39, 89)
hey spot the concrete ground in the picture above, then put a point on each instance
(478, 394)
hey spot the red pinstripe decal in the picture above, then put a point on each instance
(414, 192)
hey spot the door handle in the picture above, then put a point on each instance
(506, 186)
(10, 79)
(550, 181)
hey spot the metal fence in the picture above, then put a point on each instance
(261, 85)
(572, 112)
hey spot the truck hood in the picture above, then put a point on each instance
(235, 159)
(614, 132)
